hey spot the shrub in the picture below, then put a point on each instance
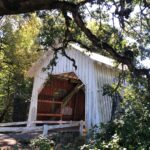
(42, 143)
(128, 131)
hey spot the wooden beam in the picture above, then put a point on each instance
(74, 110)
(66, 78)
(48, 101)
(55, 122)
(13, 124)
(71, 94)
(9, 124)
(21, 129)
(61, 126)
(81, 127)
(49, 115)
(67, 124)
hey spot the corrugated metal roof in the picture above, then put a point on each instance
(94, 56)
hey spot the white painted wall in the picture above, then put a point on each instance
(104, 75)
(93, 75)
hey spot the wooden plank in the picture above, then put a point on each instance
(51, 122)
(68, 124)
(13, 123)
(45, 130)
(55, 122)
(62, 126)
(75, 108)
(35, 122)
(52, 127)
(38, 122)
(81, 127)
(20, 129)
(50, 115)
(51, 102)
(67, 77)
(72, 93)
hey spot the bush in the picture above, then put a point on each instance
(42, 143)
(130, 130)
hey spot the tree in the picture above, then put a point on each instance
(118, 29)
(121, 10)
(18, 51)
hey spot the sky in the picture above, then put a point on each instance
(146, 62)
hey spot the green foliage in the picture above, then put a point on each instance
(54, 28)
(18, 50)
(112, 22)
(129, 130)
(42, 143)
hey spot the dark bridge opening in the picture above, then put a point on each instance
(62, 98)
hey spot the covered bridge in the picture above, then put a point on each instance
(67, 93)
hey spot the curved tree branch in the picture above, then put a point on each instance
(24, 6)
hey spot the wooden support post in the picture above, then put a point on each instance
(32, 112)
(81, 127)
(37, 87)
(71, 94)
(45, 130)
(33, 106)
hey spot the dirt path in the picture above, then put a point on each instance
(8, 141)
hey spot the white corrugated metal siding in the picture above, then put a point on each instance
(104, 75)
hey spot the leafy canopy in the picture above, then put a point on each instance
(18, 50)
